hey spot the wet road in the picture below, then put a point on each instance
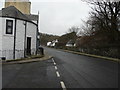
(64, 70)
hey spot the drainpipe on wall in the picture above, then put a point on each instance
(14, 39)
(25, 23)
(37, 43)
(37, 40)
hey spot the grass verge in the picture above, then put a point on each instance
(91, 55)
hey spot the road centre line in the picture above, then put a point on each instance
(56, 68)
(58, 75)
(53, 60)
(63, 85)
(54, 63)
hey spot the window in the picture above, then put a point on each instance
(9, 26)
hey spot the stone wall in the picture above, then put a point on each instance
(24, 7)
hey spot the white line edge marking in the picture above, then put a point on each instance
(56, 68)
(63, 85)
(58, 75)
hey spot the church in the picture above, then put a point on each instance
(18, 30)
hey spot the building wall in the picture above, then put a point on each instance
(7, 40)
(7, 44)
(24, 7)
(20, 38)
(0, 37)
(31, 32)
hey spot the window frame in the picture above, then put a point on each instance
(8, 26)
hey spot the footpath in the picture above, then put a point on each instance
(27, 60)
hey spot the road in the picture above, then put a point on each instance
(64, 70)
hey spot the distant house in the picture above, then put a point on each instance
(53, 43)
(48, 44)
(70, 43)
(18, 33)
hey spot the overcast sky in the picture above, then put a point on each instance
(57, 16)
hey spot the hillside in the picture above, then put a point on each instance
(44, 38)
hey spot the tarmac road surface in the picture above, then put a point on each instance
(64, 70)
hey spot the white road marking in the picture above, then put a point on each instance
(54, 63)
(56, 68)
(63, 85)
(58, 75)
(53, 60)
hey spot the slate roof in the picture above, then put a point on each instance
(70, 42)
(13, 12)
(32, 17)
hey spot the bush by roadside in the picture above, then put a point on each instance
(112, 52)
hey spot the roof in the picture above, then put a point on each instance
(70, 42)
(13, 12)
(32, 17)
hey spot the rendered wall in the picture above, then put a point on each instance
(7, 40)
(24, 7)
(31, 32)
(0, 37)
(20, 38)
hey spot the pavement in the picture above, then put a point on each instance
(45, 57)
(65, 71)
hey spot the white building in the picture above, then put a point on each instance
(49, 44)
(18, 34)
(53, 43)
(70, 43)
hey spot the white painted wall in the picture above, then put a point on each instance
(31, 32)
(49, 43)
(69, 45)
(0, 37)
(20, 35)
(7, 41)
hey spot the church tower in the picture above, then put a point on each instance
(23, 5)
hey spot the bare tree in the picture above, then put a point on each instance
(105, 16)
(74, 29)
(108, 13)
